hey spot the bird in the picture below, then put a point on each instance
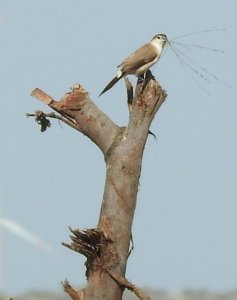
(140, 61)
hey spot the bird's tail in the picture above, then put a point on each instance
(112, 83)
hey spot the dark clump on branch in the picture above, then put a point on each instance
(40, 118)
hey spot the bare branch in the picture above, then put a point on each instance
(128, 285)
(75, 295)
(83, 115)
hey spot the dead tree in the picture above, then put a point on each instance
(106, 247)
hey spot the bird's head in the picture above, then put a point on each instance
(160, 39)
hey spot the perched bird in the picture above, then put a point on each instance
(139, 62)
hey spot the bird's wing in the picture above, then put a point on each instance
(139, 58)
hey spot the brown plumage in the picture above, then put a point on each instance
(139, 61)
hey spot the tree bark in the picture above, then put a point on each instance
(107, 246)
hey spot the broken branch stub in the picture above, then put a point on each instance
(92, 243)
(78, 109)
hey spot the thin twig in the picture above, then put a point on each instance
(132, 246)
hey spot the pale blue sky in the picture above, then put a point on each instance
(186, 219)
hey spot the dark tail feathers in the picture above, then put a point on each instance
(111, 84)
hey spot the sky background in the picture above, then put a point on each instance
(186, 218)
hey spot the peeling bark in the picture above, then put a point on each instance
(107, 246)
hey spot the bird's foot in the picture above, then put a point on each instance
(148, 76)
(141, 78)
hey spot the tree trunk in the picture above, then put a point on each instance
(107, 246)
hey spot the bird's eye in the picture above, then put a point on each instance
(158, 37)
